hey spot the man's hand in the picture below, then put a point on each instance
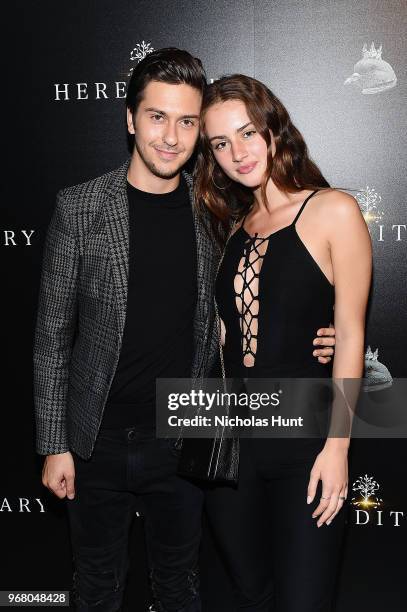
(58, 475)
(326, 340)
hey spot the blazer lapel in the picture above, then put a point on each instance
(204, 254)
(116, 214)
(200, 247)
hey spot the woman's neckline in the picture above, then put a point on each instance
(257, 237)
(292, 224)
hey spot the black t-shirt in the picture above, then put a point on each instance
(162, 292)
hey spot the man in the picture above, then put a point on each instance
(126, 297)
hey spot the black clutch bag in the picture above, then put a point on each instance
(211, 458)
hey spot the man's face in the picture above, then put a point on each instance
(165, 127)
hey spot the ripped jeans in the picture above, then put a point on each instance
(132, 471)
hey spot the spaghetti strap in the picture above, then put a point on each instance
(303, 206)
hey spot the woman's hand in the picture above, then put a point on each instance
(331, 466)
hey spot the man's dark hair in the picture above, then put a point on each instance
(168, 65)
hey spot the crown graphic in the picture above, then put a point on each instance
(372, 52)
(377, 376)
(371, 73)
(367, 488)
(372, 356)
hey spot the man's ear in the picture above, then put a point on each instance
(130, 122)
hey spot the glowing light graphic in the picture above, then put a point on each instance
(367, 487)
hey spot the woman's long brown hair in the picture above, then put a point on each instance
(291, 168)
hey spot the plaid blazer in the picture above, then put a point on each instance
(82, 309)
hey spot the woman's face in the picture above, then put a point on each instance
(237, 146)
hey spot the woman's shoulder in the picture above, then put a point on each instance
(337, 205)
(340, 216)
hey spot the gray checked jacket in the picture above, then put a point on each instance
(82, 309)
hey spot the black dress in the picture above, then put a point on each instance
(272, 297)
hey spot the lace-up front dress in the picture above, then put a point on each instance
(272, 297)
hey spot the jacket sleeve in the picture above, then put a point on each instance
(54, 332)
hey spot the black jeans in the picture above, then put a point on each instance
(130, 470)
(277, 557)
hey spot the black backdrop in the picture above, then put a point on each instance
(304, 51)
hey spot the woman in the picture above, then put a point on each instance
(297, 250)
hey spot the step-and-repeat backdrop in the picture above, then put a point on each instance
(340, 68)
